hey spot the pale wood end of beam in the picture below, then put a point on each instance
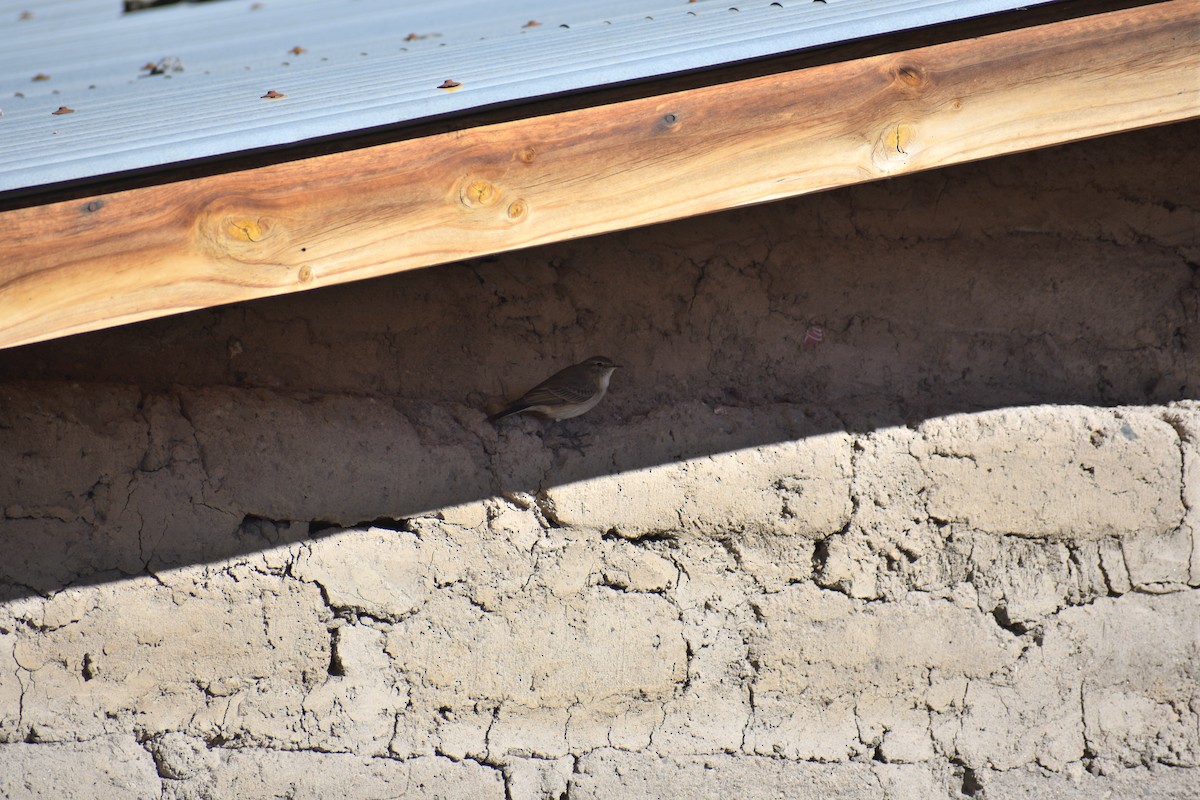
(82, 265)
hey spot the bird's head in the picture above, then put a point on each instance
(601, 364)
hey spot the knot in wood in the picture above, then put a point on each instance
(910, 79)
(246, 230)
(895, 147)
(517, 210)
(479, 192)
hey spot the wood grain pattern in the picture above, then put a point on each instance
(117, 258)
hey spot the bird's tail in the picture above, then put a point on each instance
(516, 408)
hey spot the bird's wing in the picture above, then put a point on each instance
(552, 394)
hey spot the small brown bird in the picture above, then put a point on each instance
(573, 391)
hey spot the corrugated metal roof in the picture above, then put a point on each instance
(347, 65)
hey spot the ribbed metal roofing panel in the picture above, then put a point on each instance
(347, 65)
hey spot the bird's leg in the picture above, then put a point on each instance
(573, 438)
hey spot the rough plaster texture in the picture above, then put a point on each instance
(273, 550)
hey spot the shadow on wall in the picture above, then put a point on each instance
(1067, 276)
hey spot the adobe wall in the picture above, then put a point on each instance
(274, 549)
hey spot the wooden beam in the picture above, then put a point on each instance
(125, 256)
